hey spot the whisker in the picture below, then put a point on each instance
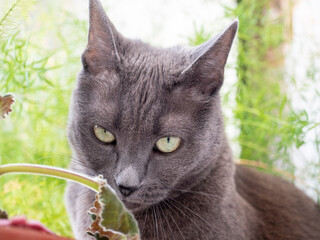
(62, 156)
(156, 218)
(165, 218)
(56, 156)
(193, 212)
(84, 192)
(154, 223)
(144, 224)
(196, 192)
(188, 218)
(160, 221)
(88, 169)
(59, 186)
(168, 206)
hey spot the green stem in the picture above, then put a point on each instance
(92, 183)
(6, 15)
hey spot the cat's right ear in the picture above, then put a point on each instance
(101, 52)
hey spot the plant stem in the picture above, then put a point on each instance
(92, 183)
(6, 15)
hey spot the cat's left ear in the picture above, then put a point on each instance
(207, 70)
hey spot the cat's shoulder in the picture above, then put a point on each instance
(248, 177)
(283, 208)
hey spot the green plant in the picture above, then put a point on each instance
(12, 15)
(111, 218)
(270, 127)
(41, 79)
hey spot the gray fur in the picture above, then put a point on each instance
(128, 177)
(141, 93)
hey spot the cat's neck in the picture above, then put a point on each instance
(212, 208)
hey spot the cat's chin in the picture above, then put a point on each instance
(134, 207)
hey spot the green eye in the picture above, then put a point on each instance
(168, 144)
(103, 135)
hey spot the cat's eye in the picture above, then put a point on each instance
(103, 135)
(168, 144)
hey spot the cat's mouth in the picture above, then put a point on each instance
(134, 205)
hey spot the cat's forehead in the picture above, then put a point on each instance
(135, 95)
(144, 73)
(140, 60)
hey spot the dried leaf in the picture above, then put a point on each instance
(3, 214)
(95, 229)
(111, 219)
(5, 104)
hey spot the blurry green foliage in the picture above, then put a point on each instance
(12, 13)
(270, 126)
(40, 70)
(263, 109)
(200, 36)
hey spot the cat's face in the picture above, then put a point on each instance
(148, 119)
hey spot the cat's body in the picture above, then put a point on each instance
(257, 206)
(284, 211)
(138, 95)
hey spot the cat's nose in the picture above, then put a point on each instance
(127, 181)
(126, 191)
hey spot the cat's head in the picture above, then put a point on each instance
(148, 119)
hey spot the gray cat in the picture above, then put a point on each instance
(149, 120)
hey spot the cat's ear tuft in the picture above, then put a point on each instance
(207, 70)
(101, 52)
